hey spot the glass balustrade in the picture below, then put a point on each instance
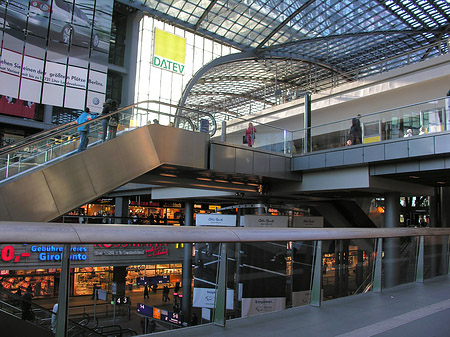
(414, 120)
(63, 141)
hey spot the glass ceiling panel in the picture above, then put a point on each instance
(326, 43)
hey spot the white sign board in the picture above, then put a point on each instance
(256, 306)
(308, 222)
(101, 294)
(206, 298)
(215, 219)
(264, 221)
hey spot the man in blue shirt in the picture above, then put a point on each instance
(84, 130)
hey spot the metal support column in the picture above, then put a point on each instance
(392, 266)
(224, 131)
(419, 262)
(376, 280)
(63, 293)
(307, 124)
(316, 298)
(187, 265)
(447, 254)
(221, 290)
(445, 222)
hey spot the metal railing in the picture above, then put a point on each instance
(375, 258)
(62, 141)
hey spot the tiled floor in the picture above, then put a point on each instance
(418, 309)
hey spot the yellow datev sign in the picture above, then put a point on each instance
(170, 51)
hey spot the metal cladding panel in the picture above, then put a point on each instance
(105, 166)
(277, 166)
(180, 147)
(373, 153)
(421, 147)
(317, 161)
(447, 162)
(411, 166)
(138, 152)
(244, 161)
(261, 164)
(300, 163)
(223, 158)
(384, 169)
(396, 150)
(335, 158)
(442, 143)
(69, 183)
(28, 198)
(354, 156)
(432, 164)
(4, 214)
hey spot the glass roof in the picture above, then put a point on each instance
(301, 45)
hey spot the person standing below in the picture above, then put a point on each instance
(146, 292)
(105, 111)
(26, 305)
(84, 129)
(356, 131)
(54, 317)
(113, 120)
(250, 134)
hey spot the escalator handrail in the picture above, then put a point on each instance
(33, 139)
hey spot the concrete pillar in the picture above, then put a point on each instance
(119, 275)
(445, 222)
(392, 245)
(63, 294)
(433, 221)
(187, 264)
(48, 114)
(121, 210)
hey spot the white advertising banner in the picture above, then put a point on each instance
(35, 59)
(308, 222)
(264, 221)
(256, 306)
(206, 298)
(215, 219)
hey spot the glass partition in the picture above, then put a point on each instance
(413, 120)
(260, 277)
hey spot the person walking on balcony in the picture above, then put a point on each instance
(105, 111)
(356, 130)
(250, 134)
(113, 120)
(84, 129)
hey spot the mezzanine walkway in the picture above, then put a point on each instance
(412, 310)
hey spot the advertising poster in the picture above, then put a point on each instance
(169, 51)
(215, 219)
(206, 298)
(55, 51)
(256, 306)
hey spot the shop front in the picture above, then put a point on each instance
(90, 266)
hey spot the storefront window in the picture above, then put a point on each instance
(85, 278)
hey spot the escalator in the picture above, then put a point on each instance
(12, 324)
(57, 179)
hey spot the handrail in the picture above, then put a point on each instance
(371, 114)
(43, 232)
(33, 139)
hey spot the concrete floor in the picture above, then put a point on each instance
(412, 310)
